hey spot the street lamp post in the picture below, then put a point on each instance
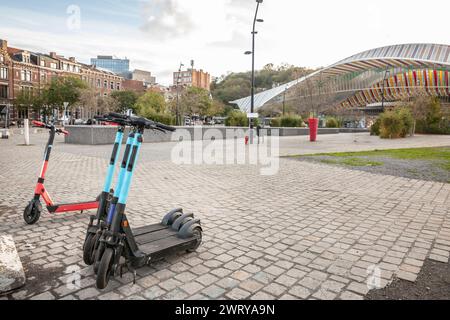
(254, 32)
(178, 95)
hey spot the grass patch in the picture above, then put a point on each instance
(406, 154)
(441, 156)
(353, 162)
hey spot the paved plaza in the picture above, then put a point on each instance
(310, 232)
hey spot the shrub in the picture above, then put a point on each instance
(395, 124)
(291, 121)
(375, 128)
(164, 118)
(237, 118)
(332, 123)
(275, 123)
(287, 121)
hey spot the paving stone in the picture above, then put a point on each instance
(87, 293)
(347, 295)
(251, 285)
(238, 294)
(358, 288)
(43, 296)
(275, 289)
(408, 276)
(154, 292)
(262, 296)
(213, 291)
(192, 287)
(228, 283)
(300, 292)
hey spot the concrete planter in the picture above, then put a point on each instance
(101, 135)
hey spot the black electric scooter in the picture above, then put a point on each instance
(177, 232)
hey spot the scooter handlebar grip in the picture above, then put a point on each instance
(165, 127)
(39, 124)
(64, 132)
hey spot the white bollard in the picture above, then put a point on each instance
(27, 132)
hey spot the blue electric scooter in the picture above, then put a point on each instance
(139, 247)
(96, 222)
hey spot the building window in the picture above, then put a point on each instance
(4, 73)
(112, 85)
(99, 83)
(42, 63)
(118, 85)
(53, 65)
(25, 75)
(4, 92)
(2, 59)
(105, 84)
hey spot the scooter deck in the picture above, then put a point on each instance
(158, 241)
(69, 207)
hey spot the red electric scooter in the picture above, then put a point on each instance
(33, 210)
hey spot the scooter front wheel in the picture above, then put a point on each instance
(32, 213)
(104, 269)
(88, 248)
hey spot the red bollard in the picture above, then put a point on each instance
(246, 140)
(313, 129)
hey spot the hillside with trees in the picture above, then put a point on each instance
(238, 85)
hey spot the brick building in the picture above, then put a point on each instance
(29, 72)
(192, 77)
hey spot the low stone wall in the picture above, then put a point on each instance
(98, 135)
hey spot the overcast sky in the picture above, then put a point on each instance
(159, 34)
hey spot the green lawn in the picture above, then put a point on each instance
(441, 156)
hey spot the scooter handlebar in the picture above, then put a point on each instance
(165, 127)
(63, 131)
(50, 127)
(39, 124)
(118, 115)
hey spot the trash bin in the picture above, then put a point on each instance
(313, 129)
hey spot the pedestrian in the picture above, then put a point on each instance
(259, 133)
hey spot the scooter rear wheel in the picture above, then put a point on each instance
(197, 233)
(31, 214)
(104, 269)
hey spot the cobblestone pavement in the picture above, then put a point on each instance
(310, 232)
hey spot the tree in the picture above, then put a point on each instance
(64, 89)
(196, 101)
(34, 100)
(151, 102)
(89, 101)
(106, 104)
(126, 100)
(237, 118)
(237, 85)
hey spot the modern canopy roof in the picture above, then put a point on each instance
(412, 56)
